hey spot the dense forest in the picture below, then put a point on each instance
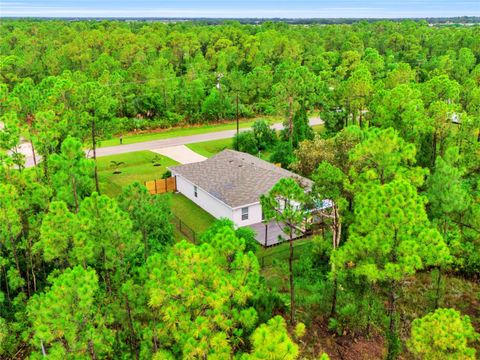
(84, 275)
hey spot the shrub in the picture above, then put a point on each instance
(265, 135)
(283, 154)
(443, 334)
(246, 142)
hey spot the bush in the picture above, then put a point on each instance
(166, 174)
(246, 142)
(443, 334)
(265, 135)
(247, 234)
(216, 107)
(358, 311)
(283, 154)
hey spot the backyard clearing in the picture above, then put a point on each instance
(180, 154)
(117, 171)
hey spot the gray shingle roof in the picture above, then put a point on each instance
(235, 178)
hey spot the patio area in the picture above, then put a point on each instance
(268, 234)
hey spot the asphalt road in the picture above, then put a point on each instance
(158, 144)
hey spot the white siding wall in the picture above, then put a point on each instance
(206, 201)
(254, 215)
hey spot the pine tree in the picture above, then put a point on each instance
(443, 334)
(66, 319)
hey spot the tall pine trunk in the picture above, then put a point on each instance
(336, 235)
(6, 284)
(94, 148)
(333, 310)
(133, 337)
(75, 196)
(15, 254)
(33, 153)
(437, 290)
(393, 339)
(292, 290)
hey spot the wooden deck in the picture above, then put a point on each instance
(270, 234)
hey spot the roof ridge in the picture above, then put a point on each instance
(235, 177)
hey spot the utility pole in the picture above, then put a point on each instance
(219, 87)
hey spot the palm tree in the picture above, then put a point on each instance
(115, 165)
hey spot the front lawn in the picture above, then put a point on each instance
(137, 166)
(210, 148)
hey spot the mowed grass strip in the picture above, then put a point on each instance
(186, 131)
(137, 166)
(210, 148)
(191, 214)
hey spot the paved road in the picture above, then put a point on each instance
(181, 140)
(158, 144)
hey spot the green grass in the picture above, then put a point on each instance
(137, 167)
(210, 148)
(176, 132)
(191, 214)
(282, 252)
(274, 262)
(191, 130)
(318, 128)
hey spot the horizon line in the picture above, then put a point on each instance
(234, 18)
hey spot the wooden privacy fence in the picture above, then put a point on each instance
(161, 186)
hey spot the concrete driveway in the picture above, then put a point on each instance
(180, 154)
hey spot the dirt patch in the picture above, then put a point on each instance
(320, 339)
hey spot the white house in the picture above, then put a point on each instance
(229, 185)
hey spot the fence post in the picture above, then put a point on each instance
(165, 184)
(155, 181)
(266, 234)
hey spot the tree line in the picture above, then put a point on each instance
(84, 275)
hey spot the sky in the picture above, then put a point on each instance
(241, 9)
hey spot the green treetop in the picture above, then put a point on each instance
(66, 321)
(391, 239)
(443, 334)
(72, 173)
(201, 295)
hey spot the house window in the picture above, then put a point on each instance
(195, 193)
(245, 213)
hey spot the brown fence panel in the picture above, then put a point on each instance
(171, 184)
(150, 185)
(161, 186)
